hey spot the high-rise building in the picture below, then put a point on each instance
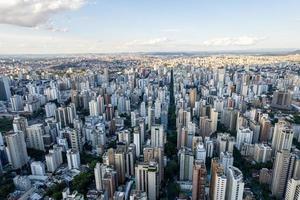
(73, 159)
(20, 124)
(35, 135)
(282, 136)
(54, 158)
(137, 141)
(193, 97)
(244, 136)
(16, 103)
(293, 189)
(214, 119)
(110, 182)
(119, 157)
(157, 109)
(265, 128)
(226, 159)
(130, 158)
(200, 152)
(235, 184)
(37, 168)
(218, 180)
(71, 113)
(93, 107)
(186, 162)
(5, 93)
(262, 153)
(282, 99)
(100, 104)
(98, 172)
(199, 180)
(155, 154)
(50, 109)
(157, 136)
(61, 116)
(286, 166)
(16, 149)
(146, 175)
(75, 139)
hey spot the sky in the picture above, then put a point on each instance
(111, 26)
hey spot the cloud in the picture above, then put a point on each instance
(32, 13)
(149, 42)
(50, 26)
(234, 41)
(170, 30)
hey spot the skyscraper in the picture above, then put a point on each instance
(16, 103)
(5, 93)
(186, 159)
(146, 175)
(157, 136)
(137, 141)
(98, 172)
(120, 165)
(218, 180)
(293, 189)
(16, 147)
(73, 159)
(54, 158)
(282, 137)
(193, 97)
(35, 135)
(244, 136)
(93, 107)
(286, 166)
(235, 184)
(199, 180)
(37, 168)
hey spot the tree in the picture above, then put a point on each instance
(81, 182)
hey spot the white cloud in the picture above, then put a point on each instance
(149, 42)
(170, 30)
(31, 13)
(233, 41)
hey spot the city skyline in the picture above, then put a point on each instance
(85, 26)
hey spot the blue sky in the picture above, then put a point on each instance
(99, 26)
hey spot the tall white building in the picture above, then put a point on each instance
(157, 136)
(35, 135)
(235, 184)
(293, 190)
(98, 172)
(226, 159)
(16, 149)
(50, 109)
(147, 179)
(16, 103)
(244, 136)
(282, 136)
(73, 159)
(214, 120)
(186, 162)
(54, 158)
(137, 142)
(37, 168)
(157, 107)
(93, 107)
(200, 152)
